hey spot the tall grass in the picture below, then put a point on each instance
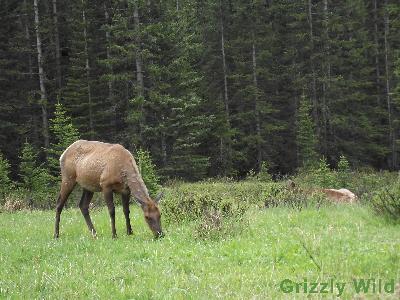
(339, 242)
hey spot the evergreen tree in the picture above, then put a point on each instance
(5, 182)
(27, 167)
(148, 171)
(306, 139)
(35, 178)
(64, 135)
(343, 169)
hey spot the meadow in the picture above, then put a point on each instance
(237, 252)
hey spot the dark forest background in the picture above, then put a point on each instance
(208, 87)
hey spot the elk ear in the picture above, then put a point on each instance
(159, 197)
(141, 202)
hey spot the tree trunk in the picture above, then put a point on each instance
(139, 63)
(57, 44)
(326, 81)
(28, 40)
(256, 109)
(224, 145)
(313, 80)
(388, 98)
(163, 145)
(377, 69)
(87, 68)
(43, 94)
(225, 77)
(111, 99)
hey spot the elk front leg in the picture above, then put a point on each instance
(84, 206)
(125, 206)
(66, 189)
(108, 197)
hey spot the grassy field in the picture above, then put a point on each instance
(338, 242)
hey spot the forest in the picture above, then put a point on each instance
(209, 88)
(270, 127)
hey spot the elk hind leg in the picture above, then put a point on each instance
(108, 197)
(84, 206)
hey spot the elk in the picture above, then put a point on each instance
(339, 196)
(106, 168)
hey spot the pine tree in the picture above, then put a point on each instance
(343, 170)
(34, 177)
(27, 167)
(5, 181)
(148, 171)
(64, 135)
(306, 139)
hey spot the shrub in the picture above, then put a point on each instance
(366, 183)
(5, 182)
(306, 138)
(193, 205)
(216, 208)
(13, 203)
(262, 175)
(148, 171)
(294, 198)
(214, 224)
(321, 176)
(325, 177)
(386, 202)
(35, 180)
(343, 172)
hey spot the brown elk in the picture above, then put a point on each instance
(108, 168)
(339, 196)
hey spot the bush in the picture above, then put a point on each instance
(262, 175)
(5, 182)
(214, 224)
(386, 202)
(217, 208)
(320, 176)
(343, 172)
(366, 183)
(148, 171)
(193, 205)
(14, 203)
(35, 180)
(294, 198)
(325, 177)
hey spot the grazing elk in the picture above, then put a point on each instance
(108, 168)
(339, 196)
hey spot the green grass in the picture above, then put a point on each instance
(346, 242)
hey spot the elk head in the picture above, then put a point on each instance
(152, 215)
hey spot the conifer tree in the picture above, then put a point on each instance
(64, 134)
(5, 181)
(34, 177)
(306, 139)
(27, 166)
